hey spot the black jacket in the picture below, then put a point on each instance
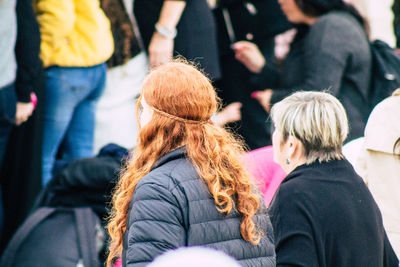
(85, 182)
(257, 21)
(21, 172)
(27, 50)
(324, 215)
(172, 207)
(333, 54)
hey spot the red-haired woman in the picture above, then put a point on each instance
(186, 185)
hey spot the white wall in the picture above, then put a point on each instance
(380, 16)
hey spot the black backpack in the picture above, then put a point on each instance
(385, 76)
(66, 237)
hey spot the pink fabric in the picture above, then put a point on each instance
(118, 263)
(267, 173)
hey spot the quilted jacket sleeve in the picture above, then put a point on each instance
(155, 224)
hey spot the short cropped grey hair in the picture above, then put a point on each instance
(317, 119)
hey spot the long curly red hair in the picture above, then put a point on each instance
(179, 89)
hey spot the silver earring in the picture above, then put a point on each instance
(287, 161)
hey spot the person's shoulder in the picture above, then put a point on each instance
(293, 186)
(300, 192)
(337, 24)
(290, 197)
(170, 174)
(336, 18)
(303, 180)
(159, 184)
(383, 126)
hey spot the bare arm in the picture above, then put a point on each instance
(161, 47)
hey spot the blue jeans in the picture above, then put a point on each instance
(8, 101)
(70, 104)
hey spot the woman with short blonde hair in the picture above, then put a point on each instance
(322, 214)
(317, 119)
(185, 184)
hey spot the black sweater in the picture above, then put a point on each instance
(324, 215)
(333, 54)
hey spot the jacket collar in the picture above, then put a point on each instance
(325, 167)
(178, 153)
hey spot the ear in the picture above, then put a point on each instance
(293, 146)
(290, 146)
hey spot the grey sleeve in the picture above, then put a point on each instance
(155, 224)
(325, 61)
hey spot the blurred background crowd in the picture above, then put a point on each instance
(71, 73)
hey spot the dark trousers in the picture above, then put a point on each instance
(20, 176)
(8, 101)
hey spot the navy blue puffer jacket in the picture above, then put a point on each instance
(172, 207)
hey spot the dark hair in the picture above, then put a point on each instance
(316, 8)
(396, 145)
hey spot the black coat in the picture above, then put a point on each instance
(324, 215)
(196, 39)
(257, 21)
(27, 48)
(172, 207)
(21, 175)
(85, 182)
(333, 54)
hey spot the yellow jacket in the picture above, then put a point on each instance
(75, 33)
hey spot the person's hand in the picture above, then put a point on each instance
(160, 50)
(230, 113)
(23, 112)
(249, 54)
(264, 97)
